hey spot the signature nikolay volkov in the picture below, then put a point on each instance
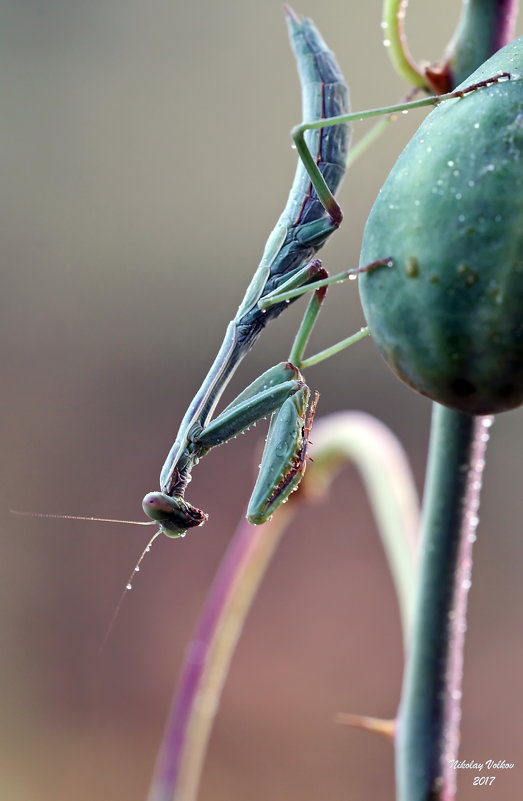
(490, 764)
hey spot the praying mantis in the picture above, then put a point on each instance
(287, 270)
(287, 264)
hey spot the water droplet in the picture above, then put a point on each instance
(128, 586)
(471, 183)
(429, 149)
(472, 538)
(450, 163)
(384, 25)
(466, 584)
(405, 111)
(137, 569)
(456, 694)
(416, 202)
(476, 125)
(461, 218)
(386, 43)
(352, 277)
(458, 195)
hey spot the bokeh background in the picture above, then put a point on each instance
(145, 157)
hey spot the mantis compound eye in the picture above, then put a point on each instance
(173, 515)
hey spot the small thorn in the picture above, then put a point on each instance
(387, 728)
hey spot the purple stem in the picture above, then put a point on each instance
(484, 27)
(243, 566)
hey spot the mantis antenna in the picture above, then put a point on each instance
(82, 517)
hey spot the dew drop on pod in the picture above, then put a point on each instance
(447, 316)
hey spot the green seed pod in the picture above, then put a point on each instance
(447, 316)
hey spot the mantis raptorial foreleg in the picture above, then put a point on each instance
(284, 456)
(283, 460)
(247, 411)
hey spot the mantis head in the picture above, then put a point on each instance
(173, 515)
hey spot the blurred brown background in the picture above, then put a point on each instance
(145, 158)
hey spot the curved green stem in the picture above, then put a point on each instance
(378, 455)
(393, 17)
(428, 719)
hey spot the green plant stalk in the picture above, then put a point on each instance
(430, 709)
(368, 139)
(484, 27)
(428, 719)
